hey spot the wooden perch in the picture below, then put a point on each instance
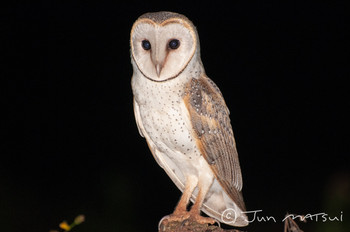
(190, 226)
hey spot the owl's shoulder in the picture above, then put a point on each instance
(197, 88)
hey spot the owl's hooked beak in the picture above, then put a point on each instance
(158, 59)
(158, 69)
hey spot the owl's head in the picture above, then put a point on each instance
(163, 44)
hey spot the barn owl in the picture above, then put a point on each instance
(183, 117)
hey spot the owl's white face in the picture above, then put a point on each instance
(162, 51)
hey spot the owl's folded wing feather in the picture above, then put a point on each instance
(138, 118)
(211, 123)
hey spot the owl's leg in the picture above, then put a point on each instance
(180, 213)
(204, 187)
(191, 183)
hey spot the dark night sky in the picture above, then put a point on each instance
(70, 144)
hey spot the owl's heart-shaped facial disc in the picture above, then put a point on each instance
(162, 51)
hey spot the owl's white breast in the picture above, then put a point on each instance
(162, 113)
(166, 122)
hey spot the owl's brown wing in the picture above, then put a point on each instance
(211, 123)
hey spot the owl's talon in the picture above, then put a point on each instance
(184, 222)
(161, 221)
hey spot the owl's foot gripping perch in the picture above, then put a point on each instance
(180, 213)
(186, 216)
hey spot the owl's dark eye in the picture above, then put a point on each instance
(174, 44)
(146, 44)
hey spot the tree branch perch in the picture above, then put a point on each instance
(190, 226)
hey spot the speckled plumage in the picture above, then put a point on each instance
(184, 118)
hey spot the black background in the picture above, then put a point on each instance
(70, 144)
